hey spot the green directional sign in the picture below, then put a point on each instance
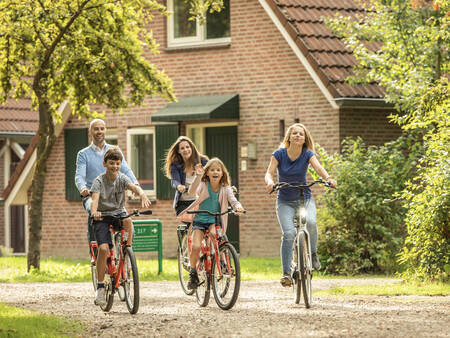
(148, 237)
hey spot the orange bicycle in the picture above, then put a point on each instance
(218, 266)
(121, 267)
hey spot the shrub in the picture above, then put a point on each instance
(426, 254)
(362, 228)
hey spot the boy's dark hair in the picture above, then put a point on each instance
(113, 154)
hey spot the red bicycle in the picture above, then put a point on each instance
(218, 266)
(121, 267)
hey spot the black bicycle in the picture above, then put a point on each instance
(301, 265)
(183, 231)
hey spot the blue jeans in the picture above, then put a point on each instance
(285, 213)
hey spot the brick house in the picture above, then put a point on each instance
(254, 69)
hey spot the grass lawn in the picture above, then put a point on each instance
(16, 322)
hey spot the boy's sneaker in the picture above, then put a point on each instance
(193, 280)
(315, 261)
(100, 297)
(286, 280)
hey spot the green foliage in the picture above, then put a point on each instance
(361, 228)
(15, 322)
(401, 46)
(426, 254)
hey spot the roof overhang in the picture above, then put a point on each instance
(16, 192)
(348, 102)
(200, 108)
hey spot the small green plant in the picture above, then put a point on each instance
(5, 252)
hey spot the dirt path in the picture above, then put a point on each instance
(264, 309)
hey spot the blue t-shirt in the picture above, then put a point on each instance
(211, 204)
(292, 172)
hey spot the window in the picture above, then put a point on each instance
(141, 157)
(184, 32)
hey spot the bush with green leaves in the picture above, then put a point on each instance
(361, 223)
(426, 254)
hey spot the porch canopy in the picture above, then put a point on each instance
(200, 108)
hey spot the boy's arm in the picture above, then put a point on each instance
(97, 215)
(145, 202)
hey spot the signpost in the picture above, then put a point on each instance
(148, 237)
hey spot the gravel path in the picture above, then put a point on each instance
(263, 309)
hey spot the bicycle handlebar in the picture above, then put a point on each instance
(281, 185)
(228, 211)
(135, 212)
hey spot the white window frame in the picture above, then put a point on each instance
(142, 131)
(198, 40)
(111, 135)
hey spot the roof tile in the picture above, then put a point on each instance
(327, 54)
(16, 116)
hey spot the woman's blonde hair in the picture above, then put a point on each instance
(225, 180)
(173, 155)
(309, 143)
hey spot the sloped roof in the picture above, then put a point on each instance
(17, 117)
(332, 61)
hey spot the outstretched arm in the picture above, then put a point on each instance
(271, 173)
(145, 202)
(199, 171)
(97, 215)
(321, 171)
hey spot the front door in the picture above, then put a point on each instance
(222, 142)
(17, 220)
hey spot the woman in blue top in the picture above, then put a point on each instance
(291, 161)
(181, 160)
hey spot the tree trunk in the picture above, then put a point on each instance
(45, 143)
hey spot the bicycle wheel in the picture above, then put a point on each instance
(117, 239)
(203, 290)
(108, 293)
(296, 284)
(304, 258)
(183, 264)
(226, 284)
(131, 282)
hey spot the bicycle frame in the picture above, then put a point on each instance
(300, 225)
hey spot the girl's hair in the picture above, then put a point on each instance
(174, 156)
(225, 180)
(309, 143)
(114, 154)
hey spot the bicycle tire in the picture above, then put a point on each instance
(296, 283)
(117, 245)
(227, 284)
(305, 271)
(203, 290)
(183, 264)
(131, 282)
(109, 294)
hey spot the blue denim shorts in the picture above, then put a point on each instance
(101, 227)
(201, 226)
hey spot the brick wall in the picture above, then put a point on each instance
(272, 85)
(372, 125)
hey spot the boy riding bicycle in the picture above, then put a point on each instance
(108, 200)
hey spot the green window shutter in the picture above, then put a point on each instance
(74, 141)
(165, 136)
